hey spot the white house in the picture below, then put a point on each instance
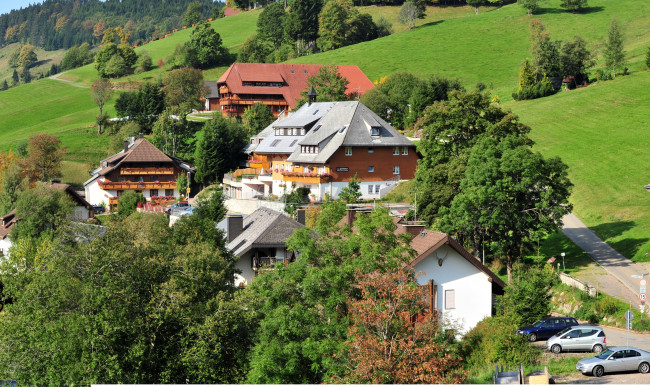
(464, 290)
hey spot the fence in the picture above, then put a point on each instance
(576, 283)
(148, 207)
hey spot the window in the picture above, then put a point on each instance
(370, 189)
(371, 168)
(275, 143)
(405, 150)
(153, 192)
(450, 299)
(377, 188)
(348, 151)
(374, 131)
(396, 170)
(169, 192)
(371, 149)
(396, 151)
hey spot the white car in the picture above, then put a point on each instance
(617, 359)
(578, 338)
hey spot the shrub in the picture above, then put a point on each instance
(603, 75)
(586, 312)
(541, 89)
(494, 341)
(128, 203)
(607, 306)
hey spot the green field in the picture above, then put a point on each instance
(598, 130)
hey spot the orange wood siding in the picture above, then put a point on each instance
(382, 159)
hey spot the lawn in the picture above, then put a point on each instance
(601, 132)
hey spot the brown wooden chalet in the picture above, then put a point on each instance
(276, 85)
(139, 167)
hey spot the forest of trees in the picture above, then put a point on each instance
(61, 24)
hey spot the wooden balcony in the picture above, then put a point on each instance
(238, 101)
(137, 185)
(307, 179)
(147, 171)
(259, 164)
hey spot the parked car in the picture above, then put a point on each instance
(99, 209)
(579, 338)
(617, 359)
(188, 211)
(177, 206)
(546, 327)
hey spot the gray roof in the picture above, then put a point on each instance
(250, 148)
(214, 89)
(263, 228)
(306, 115)
(347, 124)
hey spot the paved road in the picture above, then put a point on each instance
(611, 260)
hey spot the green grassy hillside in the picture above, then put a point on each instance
(601, 132)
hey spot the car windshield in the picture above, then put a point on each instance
(605, 354)
(538, 323)
(563, 331)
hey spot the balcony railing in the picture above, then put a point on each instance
(305, 177)
(146, 171)
(242, 101)
(136, 185)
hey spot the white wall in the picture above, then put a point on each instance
(473, 290)
(5, 244)
(96, 195)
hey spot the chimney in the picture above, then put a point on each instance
(234, 226)
(140, 135)
(301, 216)
(311, 94)
(126, 145)
(413, 228)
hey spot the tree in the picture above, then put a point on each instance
(27, 57)
(256, 118)
(218, 149)
(128, 203)
(329, 84)
(301, 23)
(4, 86)
(77, 56)
(254, 50)
(614, 52)
(529, 295)
(207, 46)
(25, 76)
(408, 14)
(14, 78)
(545, 53)
(181, 184)
(508, 196)
(386, 346)
(573, 5)
(102, 92)
(115, 67)
(575, 59)
(527, 76)
(340, 24)
(647, 58)
(44, 160)
(43, 211)
(304, 323)
(450, 129)
(193, 14)
(530, 5)
(352, 192)
(174, 134)
(143, 106)
(475, 4)
(267, 24)
(184, 87)
(102, 57)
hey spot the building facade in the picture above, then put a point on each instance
(139, 167)
(322, 146)
(276, 85)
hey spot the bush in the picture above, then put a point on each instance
(607, 306)
(603, 75)
(541, 89)
(128, 203)
(586, 312)
(494, 341)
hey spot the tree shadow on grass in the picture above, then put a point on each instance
(433, 23)
(628, 247)
(42, 62)
(586, 10)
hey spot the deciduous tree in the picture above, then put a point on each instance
(193, 14)
(386, 345)
(42, 211)
(529, 5)
(352, 192)
(102, 92)
(27, 57)
(408, 14)
(218, 149)
(184, 87)
(256, 118)
(614, 52)
(269, 22)
(573, 5)
(44, 160)
(575, 59)
(207, 46)
(475, 4)
(301, 22)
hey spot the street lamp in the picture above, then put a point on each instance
(563, 267)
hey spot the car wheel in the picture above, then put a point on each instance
(532, 337)
(598, 371)
(644, 368)
(598, 348)
(556, 348)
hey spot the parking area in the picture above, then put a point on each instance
(615, 337)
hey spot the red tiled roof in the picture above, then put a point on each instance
(294, 75)
(143, 150)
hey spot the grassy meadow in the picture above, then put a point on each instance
(598, 130)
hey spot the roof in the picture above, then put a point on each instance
(214, 89)
(139, 151)
(293, 77)
(263, 228)
(71, 192)
(7, 222)
(429, 241)
(348, 123)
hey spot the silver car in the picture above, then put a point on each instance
(578, 338)
(617, 359)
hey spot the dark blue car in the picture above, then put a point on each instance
(546, 327)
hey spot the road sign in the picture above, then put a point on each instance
(642, 289)
(643, 282)
(643, 297)
(629, 316)
(188, 189)
(629, 324)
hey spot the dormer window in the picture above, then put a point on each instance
(374, 131)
